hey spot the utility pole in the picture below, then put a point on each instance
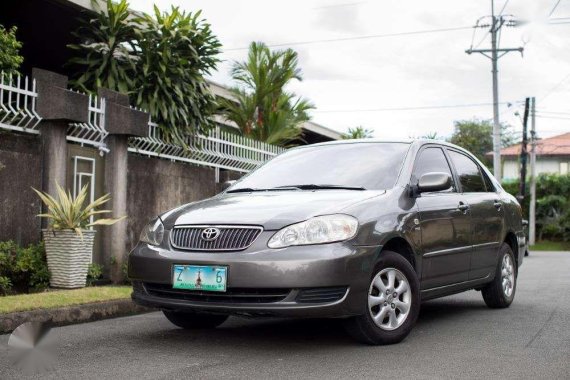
(524, 153)
(532, 208)
(497, 23)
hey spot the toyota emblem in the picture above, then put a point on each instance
(210, 234)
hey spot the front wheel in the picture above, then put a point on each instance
(392, 303)
(194, 321)
(501, 292)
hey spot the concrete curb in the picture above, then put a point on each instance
(72, 314)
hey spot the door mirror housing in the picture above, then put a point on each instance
(436, 181)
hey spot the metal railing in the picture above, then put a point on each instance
(219, 149)
(93, 132)
(18, 104)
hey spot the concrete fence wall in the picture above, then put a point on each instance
(140, 187)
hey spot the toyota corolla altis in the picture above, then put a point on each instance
(362, 230)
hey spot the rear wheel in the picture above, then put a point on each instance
(392, 303)
(194, 321)
(501, 292)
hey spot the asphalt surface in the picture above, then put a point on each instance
(455, 337)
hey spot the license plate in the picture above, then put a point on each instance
(199, 277)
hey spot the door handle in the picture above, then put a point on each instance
(497, 204)
(463, 207)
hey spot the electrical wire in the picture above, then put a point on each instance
(553, 88)
(554, 8)
(407, 108)
(504, 6)
(370, 36)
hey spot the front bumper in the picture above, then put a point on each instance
(329, 280)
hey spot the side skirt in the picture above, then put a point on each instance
(459, 287)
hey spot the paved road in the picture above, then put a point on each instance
(456, 337)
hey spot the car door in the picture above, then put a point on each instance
(444, 222)
(486, 214)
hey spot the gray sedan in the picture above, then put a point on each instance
(362, 230)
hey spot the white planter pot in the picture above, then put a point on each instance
(68, 257)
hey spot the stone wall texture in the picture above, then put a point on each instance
(20, 170)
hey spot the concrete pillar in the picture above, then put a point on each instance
(121, 121)
(54, 155)
(114, 237)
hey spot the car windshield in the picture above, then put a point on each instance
(354, 166)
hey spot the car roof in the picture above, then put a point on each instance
(418, 142)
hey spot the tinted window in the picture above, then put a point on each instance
(368, 165)
(468, 173)
(431, 160)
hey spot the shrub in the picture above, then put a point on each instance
(22, 270)
(95, 272)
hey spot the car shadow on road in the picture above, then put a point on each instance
(305, 332)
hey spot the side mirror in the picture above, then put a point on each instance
(434, 182)
(226, 185)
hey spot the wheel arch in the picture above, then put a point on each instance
(512, 241)
(401, 246)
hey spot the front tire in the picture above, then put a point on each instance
(392, 303)
(500, 293)
(193, 321)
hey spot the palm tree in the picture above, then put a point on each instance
(358, 133)
(262, 109)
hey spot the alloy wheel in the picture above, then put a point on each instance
(389, 299)
(507, 276)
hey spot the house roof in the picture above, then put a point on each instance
(552, 146)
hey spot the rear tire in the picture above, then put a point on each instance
(193, 321)
(500, 293)
(392, 303)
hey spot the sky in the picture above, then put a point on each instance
(386, 83)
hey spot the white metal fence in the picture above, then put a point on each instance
(218, 149)
(18, 104)
(93, 132)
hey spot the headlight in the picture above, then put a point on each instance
(318, 230)
(153, 232)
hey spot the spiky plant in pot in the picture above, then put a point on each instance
(69, 238)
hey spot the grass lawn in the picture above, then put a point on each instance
(60, 298)
(550, 246)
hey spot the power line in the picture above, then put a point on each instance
(554, 8)
(503, 8)
(553, 88)
(414, 108)
(370, 36)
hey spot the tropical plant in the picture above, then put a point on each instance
(10, 58)
(262, 109)
(71, 213)
(159, 60)
(358, 133)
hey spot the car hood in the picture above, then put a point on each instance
(272, 209)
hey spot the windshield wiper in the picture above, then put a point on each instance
(245, 190)
(320, 187)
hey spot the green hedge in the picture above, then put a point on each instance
(22, 270)
(552, 205)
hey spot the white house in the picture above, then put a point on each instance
(552, 156)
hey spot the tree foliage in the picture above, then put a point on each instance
(159, 60)
(477, 137)
(10, 58)
(262, 108)
(358, 133)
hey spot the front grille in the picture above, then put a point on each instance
(230, 238)
(235, 295)
(321, 295)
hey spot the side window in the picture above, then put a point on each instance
(468, 173)
(488, 183)
(432, 160)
